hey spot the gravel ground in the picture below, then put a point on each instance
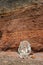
(12, 58)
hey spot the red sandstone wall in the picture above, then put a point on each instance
(26, 24)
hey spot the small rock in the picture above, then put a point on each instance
(24, 49)
(33, 56)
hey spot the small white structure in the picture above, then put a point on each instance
(24, 49)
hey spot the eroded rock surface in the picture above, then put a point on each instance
(23, 24)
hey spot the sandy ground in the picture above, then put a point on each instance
(12, 58)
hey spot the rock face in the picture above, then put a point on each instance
(23, 24)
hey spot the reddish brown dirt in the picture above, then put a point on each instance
(23, 24)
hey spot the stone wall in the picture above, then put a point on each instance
(23, 24)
